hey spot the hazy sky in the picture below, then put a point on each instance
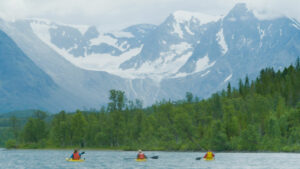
(117, 14)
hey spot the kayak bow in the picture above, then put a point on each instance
(141, 160)
(71, 160)
(209, 159)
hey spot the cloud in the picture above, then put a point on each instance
(117, 14)
(268, 9)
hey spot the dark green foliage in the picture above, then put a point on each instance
(260, 115)
(117, 99)
(15, 126)
(11, 144)
(250, 138)
(189, 97)
(61, 129)
(34, 130)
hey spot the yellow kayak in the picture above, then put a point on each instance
(71, 160)
(209, 159)
(141, 160)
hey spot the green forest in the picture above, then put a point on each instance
(258, 115)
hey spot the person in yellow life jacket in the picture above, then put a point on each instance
(141, 155)
(209, 155)
(76, 155)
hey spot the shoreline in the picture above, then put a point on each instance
(103, 149)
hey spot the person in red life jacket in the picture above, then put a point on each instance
(141, 155)
(209, 155)
(76, 155)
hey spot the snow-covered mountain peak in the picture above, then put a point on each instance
(183, 45)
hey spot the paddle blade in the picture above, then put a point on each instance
(198, 158)
(130, 158)
(154, 157)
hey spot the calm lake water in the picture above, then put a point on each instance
(55, 159)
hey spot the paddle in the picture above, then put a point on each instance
(82, 154)
(154, 157)
(130, 158)
(198, 158)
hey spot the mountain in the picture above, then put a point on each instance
(23, 84)
(239, 44)
(187, 52)
(89, 89)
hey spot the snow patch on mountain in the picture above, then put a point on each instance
(166, 66)
(228, 78)
(295, 24)
(232, 19)
(221, 41)
(106, 62)
(206, 73)
(41, 29)
(262, 35)
(106, 39)
(183, 17)
(177, 30)
(180, 74)
(122, 34)
(203, 64)
(189, 31)
(180, 48)
(261, 32)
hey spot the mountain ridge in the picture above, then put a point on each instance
(152, 62)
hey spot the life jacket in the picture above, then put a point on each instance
(141, 156)
(209, 155)
(76, 156)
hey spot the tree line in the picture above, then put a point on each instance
(261, 115)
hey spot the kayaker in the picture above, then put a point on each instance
(209, 155)
(141, 155)
(76, 155)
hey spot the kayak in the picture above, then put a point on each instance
(141, 160)
(209, 159)
(71, 160)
